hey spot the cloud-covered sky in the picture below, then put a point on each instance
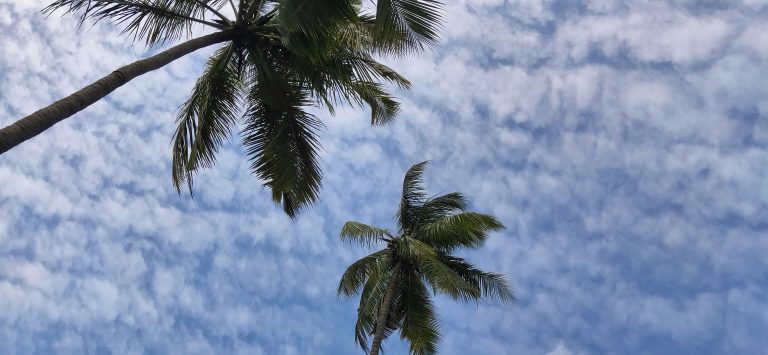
(623, 143)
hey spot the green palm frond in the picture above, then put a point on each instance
(153, 21)
(363, 234)
(440, 207)
(392, 44)
(356, 35)
(370, 301)
(361, 35)
(419, 325)
(440, 276)
(466, 229)
(491, 285)
(336, 71)
(413, 195)
(206, 119)
(379, 70)
(384, 107)
(314, 18)
(408, 22)
(280, 137)
(352, 78)
(357, 274)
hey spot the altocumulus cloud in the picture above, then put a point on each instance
(624, 144)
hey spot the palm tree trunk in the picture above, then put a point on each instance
(45, 118)
(381, 322)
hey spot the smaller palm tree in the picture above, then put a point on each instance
(395, 281)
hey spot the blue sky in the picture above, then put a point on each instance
(623, 143)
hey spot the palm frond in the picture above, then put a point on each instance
(370, 301)
(408, 22)
(153, 21)
(466, 229)
(413, 195)
(440, 207)
(362, 35)
(314, 18)
(380, 70)
(384, 107)
(353, 78)
(207, 117)
(280, 137)
(491, 285)
(340, 69)
(356, 35)
(357, 274)
(395, 43)
(363, 234)
(440, 276)
(419, 324)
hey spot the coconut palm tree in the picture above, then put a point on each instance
(396, 280)
(276, 58)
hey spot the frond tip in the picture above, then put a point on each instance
(358, 273)
(206, 118)
(465, 229)
(154, 22)
(356, 232)
(414, 23)
(414, 194)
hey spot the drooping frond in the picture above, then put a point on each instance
(280, 137)
(384, 107)
(466, 229)
(439, 275)
(413, 195)
(408, 22)
(336, 72)
(153, 21)
(360, 233)
(419, 324)
(352, 77)
(370, 301)
(206, 119)
(357, 274)
(359, 83)
(491, 285)
(440, 207)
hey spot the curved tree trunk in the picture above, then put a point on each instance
(381, 322)
(44, 118)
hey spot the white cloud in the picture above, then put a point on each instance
(560, 349)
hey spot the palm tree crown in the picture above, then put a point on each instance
(396, 280)
(278, 58)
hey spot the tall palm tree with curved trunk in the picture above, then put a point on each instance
(276, 59)
(395, 282)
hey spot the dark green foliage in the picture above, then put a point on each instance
(407, 23)
(152, 21)
(429, 230)
(207, 117)
(282, 58)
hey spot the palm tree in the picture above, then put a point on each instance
(278, 58)
(395, 281)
